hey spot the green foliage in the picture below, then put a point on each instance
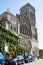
(12, 49)
(11, 39)
(20, 50)
(8, 36)
(3, 29)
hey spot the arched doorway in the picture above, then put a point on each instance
(35, 51)
(24, 41)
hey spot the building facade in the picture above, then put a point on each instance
(24, 25)
(28, 30)
(8, 20)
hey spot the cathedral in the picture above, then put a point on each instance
(23, 25)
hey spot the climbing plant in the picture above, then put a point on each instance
(9, 38)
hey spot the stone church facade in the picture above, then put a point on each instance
(28, 30)
(24, 25)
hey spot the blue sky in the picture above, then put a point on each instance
(14, 6)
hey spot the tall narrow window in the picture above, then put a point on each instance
(8, 25)
(32, 16)
(14, 28)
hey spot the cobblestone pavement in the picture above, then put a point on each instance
(37, 62)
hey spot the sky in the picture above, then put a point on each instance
(15, 5)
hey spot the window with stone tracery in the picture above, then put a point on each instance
(32, 16)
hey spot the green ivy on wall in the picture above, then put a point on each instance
(11, 40)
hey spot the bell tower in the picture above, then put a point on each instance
(28, 30)
(27, 21)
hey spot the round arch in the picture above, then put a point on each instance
(35, 51)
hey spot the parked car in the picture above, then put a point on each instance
(10, 62)
(2, 61)
(29, 58)
(19, 59)
(16, 61)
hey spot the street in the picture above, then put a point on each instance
(37, 62)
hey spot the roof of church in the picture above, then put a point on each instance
(8, 12)
(27, 5)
